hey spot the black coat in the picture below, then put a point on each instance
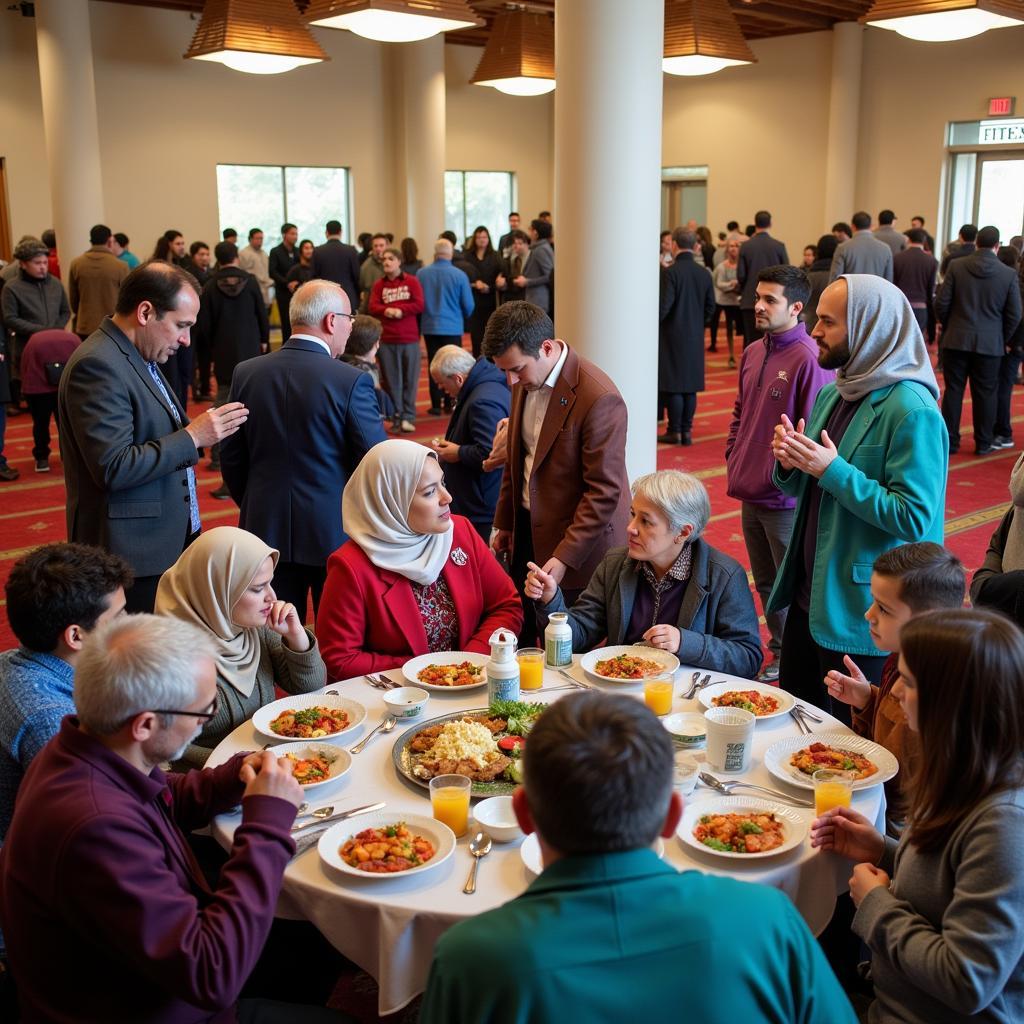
(978, 305)
(232, 321)
(756, 253)
(687, 304)
(280, 262)
(335, 261)
(484, 303)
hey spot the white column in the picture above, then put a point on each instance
(608, 198)
(64, 42)
(843, 121)
(424, 137)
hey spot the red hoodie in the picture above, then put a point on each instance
(403, 293)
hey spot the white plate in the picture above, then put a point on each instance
(266, 714)
(529, 850)
(668, 660)
(414, 665)
(794, 823)
(776, 757)
(786, 700)
(336, 836)
(341, 759)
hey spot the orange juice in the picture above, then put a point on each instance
(531, 668)
(658, 695)
(450, 805)
(831, 789)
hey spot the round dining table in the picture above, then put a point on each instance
(388, 924)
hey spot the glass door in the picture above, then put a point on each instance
(999, 194)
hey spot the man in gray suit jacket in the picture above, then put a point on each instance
(128, 446)
(885, 232)
(862, 254)
(536, 276)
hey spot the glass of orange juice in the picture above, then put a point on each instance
(658, 694)
(832, 788)
(531, 668)
(449, 801)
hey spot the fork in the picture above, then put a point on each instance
(801, 710)
(572, 679)
(694, 680)
(801, 724)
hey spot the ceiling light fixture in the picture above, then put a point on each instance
(259, 37)
(519, 58)
(393, 21)
(941, 21)
(702, 37)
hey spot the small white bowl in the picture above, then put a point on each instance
(687, 728)
(684, 772)
(406, 701)
(496, 817)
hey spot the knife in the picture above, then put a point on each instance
(340, 815)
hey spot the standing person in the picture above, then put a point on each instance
(965, 245)
(778, 374)
(486, 265)
(842, 232)
(505, 242)
(810, 255)
(287, 472)
(565, 494)
(396, 300)
(254, 259)
(128, 447)
(303, 269)
(917, 222)
(447, 303)
(170, 248)
(979, 307)
(885, 232)
(42, 364)
(914, 272)
(1009, 365)
(539, 267)
(93, 282)
(371, 269)
(863, 253)
(49, 238)
(818, 276)
(282, 258)
(411, 262)
(512, 269)
(665, 249)
(197, 263)
(338, 262)
(686, 306)
(868, 472)
(727, 299)
(758, 252)
(122, 252)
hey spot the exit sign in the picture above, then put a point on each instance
(1001, 106)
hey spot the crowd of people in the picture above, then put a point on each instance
(837, 451)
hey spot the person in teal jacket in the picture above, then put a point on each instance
(868, 473)
(609, 933)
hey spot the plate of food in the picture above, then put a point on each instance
(308, 716)
(529, 851)
(796, 758)
(315, 764)
(446, 671)
(759, 699)
(627, 664)
(385, 844)
(484, 744)
(741, 828)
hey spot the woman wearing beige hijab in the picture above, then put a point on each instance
(222, 583)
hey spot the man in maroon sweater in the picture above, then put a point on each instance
(106, 913)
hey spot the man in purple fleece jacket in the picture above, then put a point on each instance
(105, 910)
(778, 374)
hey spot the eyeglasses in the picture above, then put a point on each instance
(205, 715)
(340, 312)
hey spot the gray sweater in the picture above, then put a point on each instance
(947, 940)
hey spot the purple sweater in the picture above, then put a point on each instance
(778, 374)
(105, 911)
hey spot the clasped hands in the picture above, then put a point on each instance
(793, 449)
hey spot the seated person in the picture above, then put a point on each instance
(222, 584)
(669, 587)
(361, 352)
(412, 577)
(56, 595)
(942, 911)
(609, 932)
(999, 583)
(107, 915)
(905, 582)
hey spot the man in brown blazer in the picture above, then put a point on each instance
(565, 493)
(93, 282)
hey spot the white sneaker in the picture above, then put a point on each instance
(407, 427)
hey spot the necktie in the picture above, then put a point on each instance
(190, 473)
(517, 266)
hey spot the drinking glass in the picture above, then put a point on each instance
(658, 694)
(449, 801)
(531, 668)
(832, 788)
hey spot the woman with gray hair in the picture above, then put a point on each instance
(669, 588)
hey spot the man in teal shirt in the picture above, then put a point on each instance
(608, 932)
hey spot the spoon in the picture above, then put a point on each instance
(386, 726)
(479, 846)
(320, 812)
(727, 787)
(693, 685)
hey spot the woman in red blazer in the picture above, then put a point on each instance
(412, 578)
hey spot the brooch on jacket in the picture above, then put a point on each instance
(459, 557)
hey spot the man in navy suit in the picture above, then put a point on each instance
(311, 419)
(335, 261)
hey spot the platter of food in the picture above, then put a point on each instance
(757, 698)
(796, 758)
(529, 851)
(446, 671)
(484, 744)
(741, 828)
(308, 716)
(627, 664)
(315, 764)
(386, 844)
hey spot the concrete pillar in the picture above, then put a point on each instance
(64, 42)
(424, 137)
(608, 197)
(843, 122)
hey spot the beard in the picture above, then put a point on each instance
(834, 358)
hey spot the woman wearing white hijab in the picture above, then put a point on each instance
(412, 578)
(221, 583)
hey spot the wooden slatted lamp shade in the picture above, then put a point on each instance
(702, 37)
(938, 21)
(393, 21)
(519, 58)
(261, 37)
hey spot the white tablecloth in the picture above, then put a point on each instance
(389, 925)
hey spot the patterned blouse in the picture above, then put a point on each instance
(437, 609)
(679, 572)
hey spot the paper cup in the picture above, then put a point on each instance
(730, 738)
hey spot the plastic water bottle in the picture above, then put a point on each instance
(558, 641)
(502, 669)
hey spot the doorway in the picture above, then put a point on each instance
(999, 194)
(684, 196)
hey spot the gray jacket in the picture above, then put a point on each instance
(862, 254)
(892, 238)
(537, 271)
(31, 304)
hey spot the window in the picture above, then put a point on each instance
(472, 198)
(254, 195)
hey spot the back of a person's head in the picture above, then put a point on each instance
(842, 227)
(444, 248)
(410, 250)
(49, 238)
(99, 234)
(542, 228)
(796, 285)
(861, 220)
(1009, 255)
(929, 575)
(598, 774)
(450, 236)
(366, 332)
(917, 236)
(762, 219)
(988, 237)
(333, 227)
(684, 238)
(969, 232)
(517, 323)
(122, 239)
(733, 225)
(886, 217)
(225, 252)
(156, 282)
(827, 246)
(61, 585)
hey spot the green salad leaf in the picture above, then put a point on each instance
(717, 844)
